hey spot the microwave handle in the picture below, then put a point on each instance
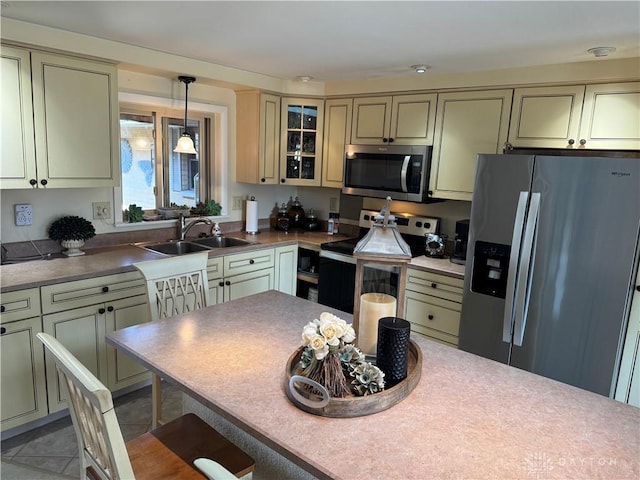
(403, 173)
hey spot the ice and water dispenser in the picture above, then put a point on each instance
(490, 268)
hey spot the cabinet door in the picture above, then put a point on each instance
(433, 317)
(371, 120)
(248, 262)
(413, 119)
(258, 128)
(337, 132)
(23, 396)
(247, 284)
(467, 123)
(301, 144)
(611, 117)
(17, 157)
(214, 277)
(122, 370)
(82, 332)
(75, 106)
(286, 269)
(546, 117)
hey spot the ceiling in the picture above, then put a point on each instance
(344, 40)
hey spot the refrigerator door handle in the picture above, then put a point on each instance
(514, 261)
(525, 272)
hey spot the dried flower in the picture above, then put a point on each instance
(367, 379)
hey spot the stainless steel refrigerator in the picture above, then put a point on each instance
(552, 254)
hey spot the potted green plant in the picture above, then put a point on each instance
(72, 231)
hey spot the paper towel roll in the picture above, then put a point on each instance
(252, 216)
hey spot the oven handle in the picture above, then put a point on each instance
(338, 257)
(403, 174)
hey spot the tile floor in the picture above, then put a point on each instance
(51, 451)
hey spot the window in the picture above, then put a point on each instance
(153, 175)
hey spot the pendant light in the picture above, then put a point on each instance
(185, 144)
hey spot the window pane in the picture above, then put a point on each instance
(183, 168)
(137, 150)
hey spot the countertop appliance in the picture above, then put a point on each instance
(337, 266)
(435, 245)
(553, 251)
(380, 171)
(460, 242)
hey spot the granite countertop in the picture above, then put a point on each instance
(469, 417)
(120, 258)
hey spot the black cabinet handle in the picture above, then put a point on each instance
(263, 180)
(571, 141)
(221, 283)
(252, 261)
(110, 308)
(282, 180)
(385, 140)
(583, 141)
(43, 182)
(430, 317)
(105, 289)
(391, 140)
(101, 311)
(434, 285)
(33, 182)
(2, 309)
(227, 283)
(3, 330)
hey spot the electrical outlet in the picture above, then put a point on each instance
(237, 203)
(333, 204)
(24, 214)
(101, 210)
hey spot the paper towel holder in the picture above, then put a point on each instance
(251, 224)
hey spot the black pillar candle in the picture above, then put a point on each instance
(393, 348)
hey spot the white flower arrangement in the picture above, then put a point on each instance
(329, 357)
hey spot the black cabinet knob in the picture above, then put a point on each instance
(3, 330)
(583, 141)
(637, 288)
(227, 283)
(33, 182)
(252, 261)
(282, 180)
(101, 311)
(391, 140)
(110, 308)
(221, 284)
(571, 141)
(43, 182)
(430, 317)
(385, 140)
(434, 285)
(263, 180)
(2, 309)
(105, 289)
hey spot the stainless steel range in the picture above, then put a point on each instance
(337, 266)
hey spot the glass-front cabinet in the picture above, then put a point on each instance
(301, 147)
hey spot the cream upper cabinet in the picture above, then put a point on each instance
(301, 141)
(400, 119)
(18, 154)
(467, 123)
(546, 117)
(337, 134)
(611, 117)
(75, 115)
(257, 138)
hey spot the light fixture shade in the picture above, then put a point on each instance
(383, 239)
(185, 145)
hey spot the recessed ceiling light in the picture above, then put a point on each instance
(304, 78)
(420, 68)
(601, 51)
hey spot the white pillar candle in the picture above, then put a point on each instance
(373, 307)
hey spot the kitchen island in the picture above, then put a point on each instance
(469, 417)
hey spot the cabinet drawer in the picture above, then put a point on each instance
(433, 317)
(68, 295)
(448, 288)
(249, 262)
(214, 268)
(20, 305)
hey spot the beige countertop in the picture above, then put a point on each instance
(468, 418)
(120, 258)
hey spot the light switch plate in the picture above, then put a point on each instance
(24, 214)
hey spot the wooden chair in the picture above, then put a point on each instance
(175, 285)
(168, 452)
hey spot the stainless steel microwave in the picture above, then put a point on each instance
(398, 171)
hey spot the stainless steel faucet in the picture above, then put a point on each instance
(184, 228)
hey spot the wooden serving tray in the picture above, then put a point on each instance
(353, 406)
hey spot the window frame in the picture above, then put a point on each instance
(217, 142)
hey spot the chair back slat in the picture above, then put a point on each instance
(94, 419)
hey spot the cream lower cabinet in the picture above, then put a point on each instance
(23, 395)
(467, 124)
(240, 275)
(80, 313)
(258, 131)
(286, 269)
(432, 305)
(337, 135)
(399, 119)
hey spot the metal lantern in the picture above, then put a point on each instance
(381, 257)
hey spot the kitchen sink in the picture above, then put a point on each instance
(220, 242)
(183, 247)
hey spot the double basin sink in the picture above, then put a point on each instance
(183, 247)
